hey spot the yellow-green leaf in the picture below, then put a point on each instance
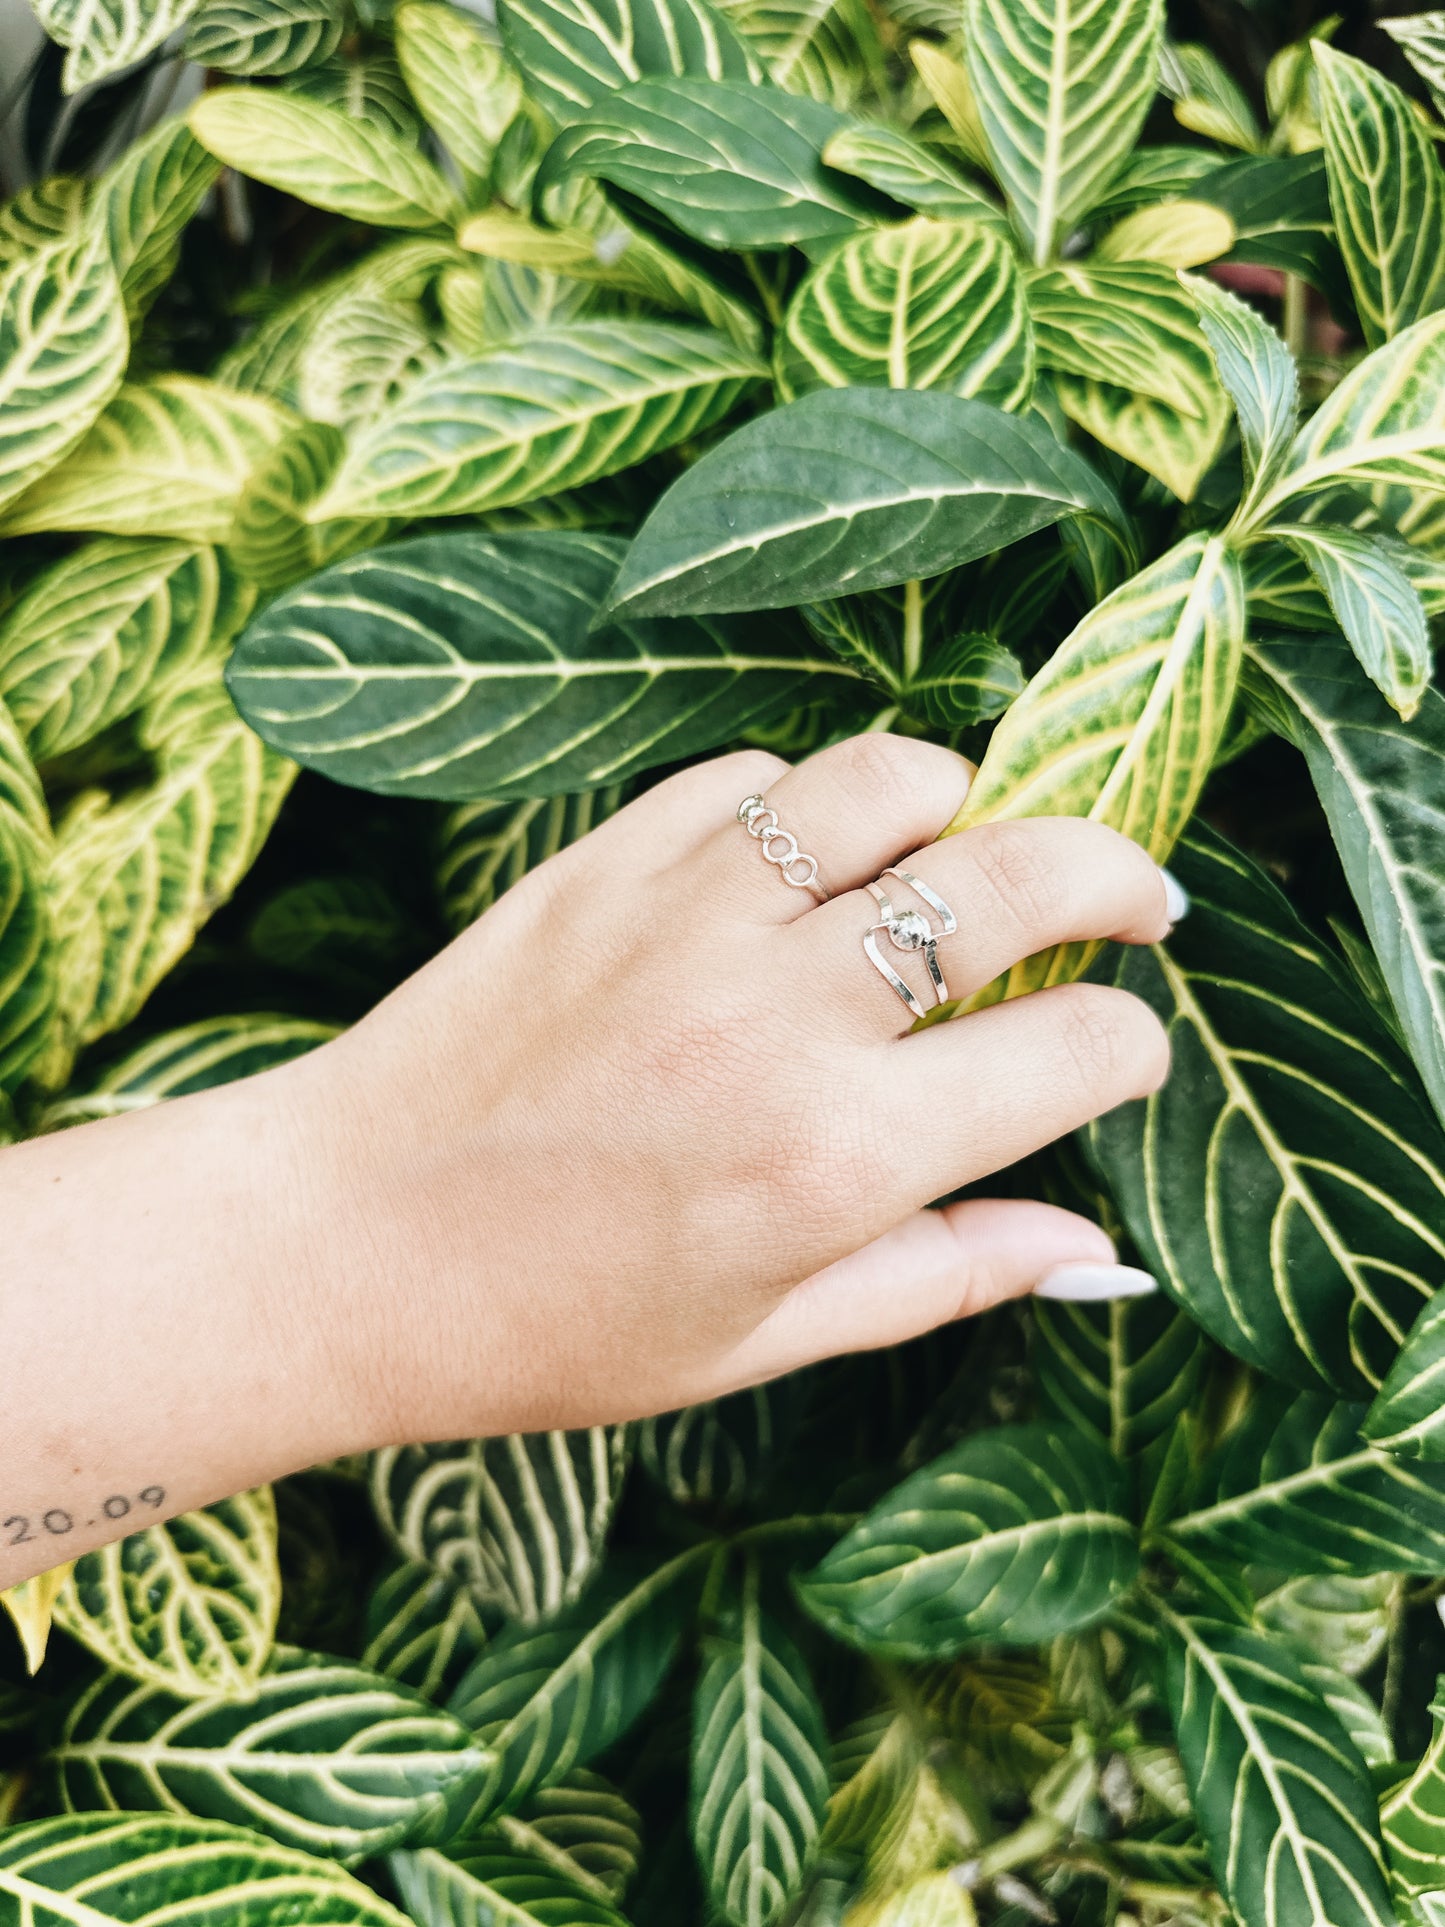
(31, 1606)
(1179, 234)
(464, 85)
(145, 200)
(952, 94)
(105, 36)
(273, 542)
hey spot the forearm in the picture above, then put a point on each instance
(165, 1337)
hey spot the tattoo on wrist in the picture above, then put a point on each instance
(21, 1528)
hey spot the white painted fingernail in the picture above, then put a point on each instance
(1088, 1284)
(1176, 897)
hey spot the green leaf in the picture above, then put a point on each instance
(1122, 723)
(196, 1057)
(459, 666)
(488, 1881)
(829, 49)
(486, 847)
(365, 85)
(151, 1871)
(584, 1828)
(1019, 1534)
(1407, 1418)
(360, 357)
(1282, 1796)
(273, 541)
(948, 85)
(1383, 424)
(104, 36)
(547, 1699)
(250, 37)
(849, 489)
(552, 412)
(423, 1629)
(1122, 1372)
(930, 304)
(145, 201)
(136, 877)
(1375, 604)
(1207, 98)
(28, 987)
(1280, 207)
(1180, 234)
(168, 457)
(1412, 1817)
(1062, 92)
(48, 211)
(759, 1782)
(63, 349)
(107, 627)
(1387, 192)
(909, 171)
(1377, 780)
(522, 1521)
(970, 679)
(189, 1605)
(1344, 1625)
(1298, 1490)
(465, 88)
(731, 164)
(574, 54)
(321, 1755)
(712, 1454)
(322, 155)
(1259, 373)
(1421, 38)
(1286, 1184)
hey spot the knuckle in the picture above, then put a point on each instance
(1023, 874)
(1116, 1044)
(888, 772)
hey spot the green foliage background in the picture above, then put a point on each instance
(487, 351)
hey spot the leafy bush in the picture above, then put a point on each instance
(655, 376)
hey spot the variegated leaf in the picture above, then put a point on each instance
(1346, 1622)
(110, 626)
(361, 356)
(948, 85)
(1286, 1184)
(575, 52)
(552, 412)
(731, 164)
(1019, 1534)
(522, 1521)
(423, 1629)
(325, 156)
(486, 847)
(969, 679)
(849, 489)
(1123, 721)
(759, 1778)
(31, 1609)
(63, 349)
(136, 877)
(1412, 1817)
(106, 36)
(249, 37)
(1280, 207)
(273, 541)
(321, 1755)
(1298, 1490)
(190, 1605)
(710, 1455)
(466, 89)
(930, 304)
(168, 457)
(364, 83)
(49, 211)
(1122, 1371)
(198, 1057)
(1364, 578)
(545, 1700)
(1180, 234)
(1379, 781)
(144, 202)
(151, 1870)
(832, 50)
(510, 690)
(1062, 92)
(1259, 373)
(584, 1828)
(1421, 38)
(1207, 98)
(28, 986)
(910, 171)
(489, 1880)
(1407, 1418)
(1281, 1794)
(1387, 192)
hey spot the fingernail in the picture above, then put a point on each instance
(1088, 1284)
(1176, 897)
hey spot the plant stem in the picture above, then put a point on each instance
(1296, 315)
(912, 632)
(1394, 1684)
(1035, 1837)
(885, 719)
(772, 307)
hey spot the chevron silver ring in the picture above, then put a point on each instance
(780, 847)
(909, 929)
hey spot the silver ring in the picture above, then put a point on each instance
(910, 930)
(780, 846)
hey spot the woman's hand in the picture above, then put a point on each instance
(653, 1130)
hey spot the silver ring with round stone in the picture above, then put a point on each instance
(910, 930)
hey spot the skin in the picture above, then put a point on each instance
(652, 1130)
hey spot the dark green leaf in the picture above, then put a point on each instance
(423, 1629)
(575, 54)
(1122, 1371)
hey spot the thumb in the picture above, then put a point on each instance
(936, 1266)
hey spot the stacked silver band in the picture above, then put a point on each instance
(780, 846)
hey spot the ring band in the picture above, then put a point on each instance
(910, 930)
(780, 846)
